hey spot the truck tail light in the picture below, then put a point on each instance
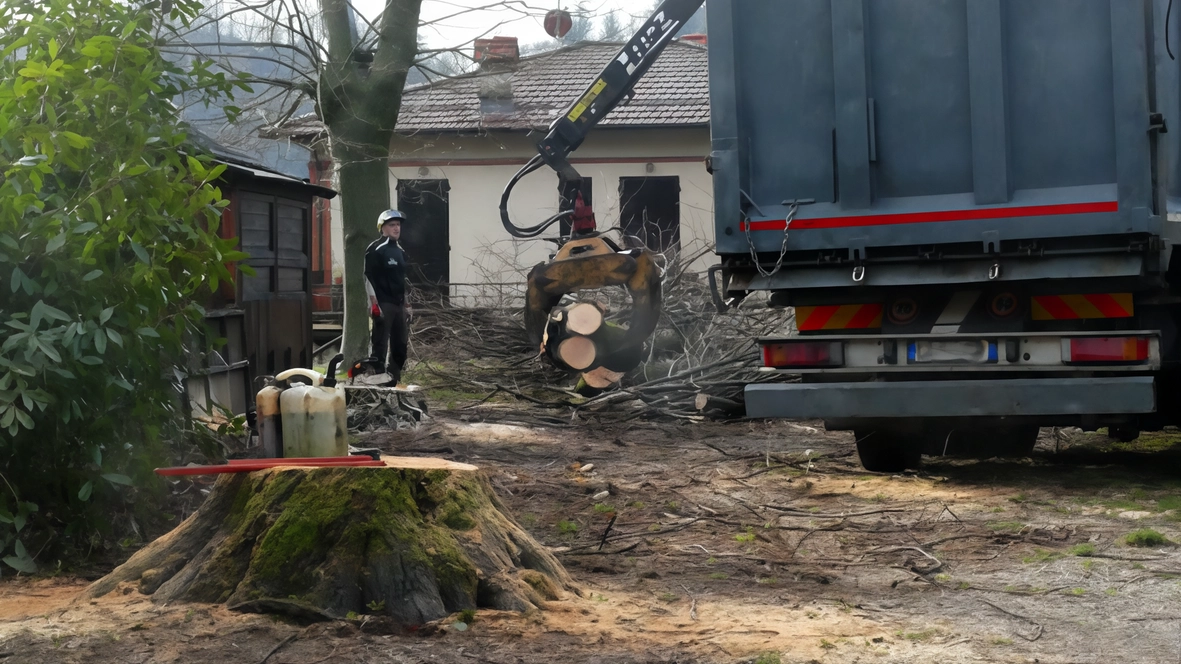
(1104, 350)
(803, 354)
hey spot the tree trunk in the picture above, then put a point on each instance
(415, 543)
(364, 194)
(359, 103)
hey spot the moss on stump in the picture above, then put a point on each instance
(415, 541)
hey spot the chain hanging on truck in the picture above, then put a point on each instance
(754, 257)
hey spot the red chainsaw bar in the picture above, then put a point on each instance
(249, 465)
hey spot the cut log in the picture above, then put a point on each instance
(601, 378)
(415, 541)
(577, 352)
(583, 318)
(707, 403)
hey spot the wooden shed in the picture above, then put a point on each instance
(265, 319)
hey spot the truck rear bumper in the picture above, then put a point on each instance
(954, 398)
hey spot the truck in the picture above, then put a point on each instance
(971, 205)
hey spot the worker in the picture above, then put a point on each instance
(385, 281)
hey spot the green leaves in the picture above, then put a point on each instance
(115, 478)
(21, 561)
(107, 245)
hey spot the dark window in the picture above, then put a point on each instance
(650, 212)
(426, 234)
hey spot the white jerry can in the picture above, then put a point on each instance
(315, 422)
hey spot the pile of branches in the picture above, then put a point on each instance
(697, 363)
(383, 409)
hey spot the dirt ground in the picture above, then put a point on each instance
(744, 542)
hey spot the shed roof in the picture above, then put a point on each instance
(243, 165)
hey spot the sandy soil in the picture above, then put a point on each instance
(742, 542)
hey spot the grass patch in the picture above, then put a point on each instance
(1168, 503)
(604, 508)
(1125, 505)
(1154, 441)
(1146, 537)
(827, 645)
(1041, 556)
(719, 576)
(768, 658)
(920, 637)
(567, 527)
(1077, 592)
(1002, 641)
(748, 536)
(1006, 526)
(1083, 550)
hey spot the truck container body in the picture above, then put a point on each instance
(967, 203)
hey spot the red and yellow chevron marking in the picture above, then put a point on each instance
(839, 317)
(1075, 307)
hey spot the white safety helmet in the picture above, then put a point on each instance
(389, 215)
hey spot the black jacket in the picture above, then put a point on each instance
(385, 268)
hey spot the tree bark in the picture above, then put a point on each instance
(412, 543)
(359, 103)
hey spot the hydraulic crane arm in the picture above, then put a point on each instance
(610, 87)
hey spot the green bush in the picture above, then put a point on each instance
(108, 243)
(1145, 537)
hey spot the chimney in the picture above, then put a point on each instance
(696, 38)
(498, 53)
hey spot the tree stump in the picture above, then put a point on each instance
(415, 541)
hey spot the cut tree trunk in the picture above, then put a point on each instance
(577, 352)
(415, 541)
(583, 318)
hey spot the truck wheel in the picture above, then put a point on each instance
(1016, 442)
(984, 443)
(1124, 434)
(885, 451)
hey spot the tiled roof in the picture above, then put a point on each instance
(674, 92)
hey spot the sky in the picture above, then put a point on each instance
(460, 21)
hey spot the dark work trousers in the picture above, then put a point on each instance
(390, 332)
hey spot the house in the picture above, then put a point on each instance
(460, 140)
(265, 318)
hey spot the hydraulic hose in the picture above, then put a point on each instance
(531, 231)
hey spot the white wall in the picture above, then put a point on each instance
(478, 168)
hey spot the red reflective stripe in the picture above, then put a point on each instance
(866, 317)
(819, 318)
(1057, 309)
(975, 214)
(1105, 303)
